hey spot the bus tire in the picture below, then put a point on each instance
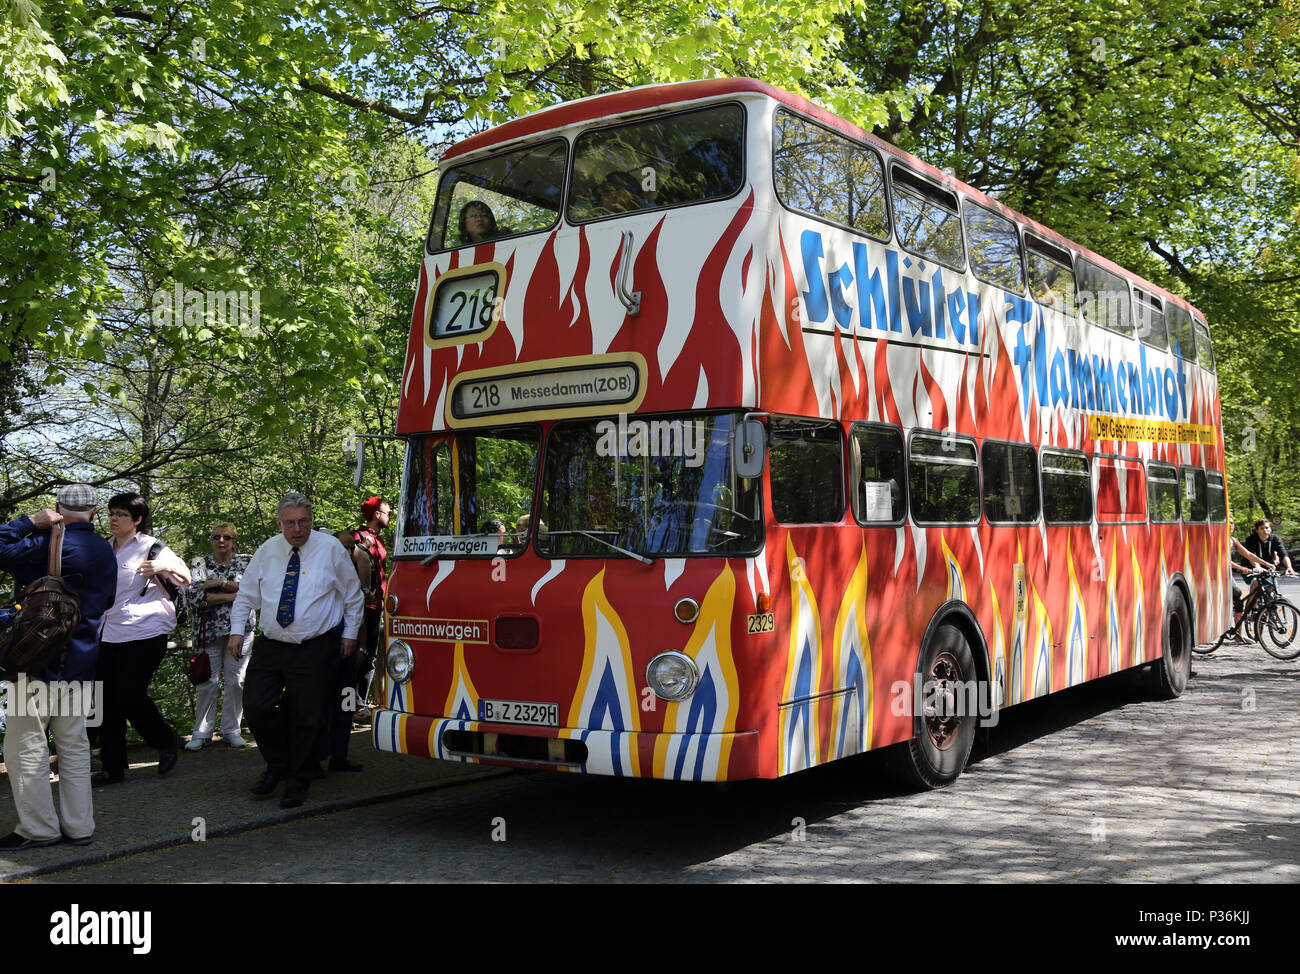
(938, 751)
(1174, 667)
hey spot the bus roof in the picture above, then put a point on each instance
(649, 97)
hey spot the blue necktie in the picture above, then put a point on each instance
(284, 615)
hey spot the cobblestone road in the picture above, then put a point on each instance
(1094, 784)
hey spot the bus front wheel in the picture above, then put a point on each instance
(945, 729)
(1174, 667)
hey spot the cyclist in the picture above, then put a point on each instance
(1263, 543)
(1239, 591)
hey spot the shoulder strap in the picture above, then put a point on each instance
(56, 550)
(154, 548)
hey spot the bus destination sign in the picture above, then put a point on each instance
(594, 387)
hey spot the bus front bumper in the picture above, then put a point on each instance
(681, 757)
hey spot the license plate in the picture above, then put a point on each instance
(519, 712)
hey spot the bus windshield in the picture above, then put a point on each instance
(661, 486)
(468, 493)
(516, 192)
(668, 160)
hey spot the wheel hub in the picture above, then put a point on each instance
(941, 717)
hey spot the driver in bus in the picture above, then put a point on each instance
(477, 222)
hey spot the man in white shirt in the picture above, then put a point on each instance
(309, 602)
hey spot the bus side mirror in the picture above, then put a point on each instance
(749, 449)
(360, 465)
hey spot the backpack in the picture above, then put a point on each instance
(47, 611)
(375, 592)
(171, 588)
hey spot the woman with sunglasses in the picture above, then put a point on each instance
(215, 582)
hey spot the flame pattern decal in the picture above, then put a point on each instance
(851, 711)
(606, 697)
(1139, 612)
(956, 580)
(695, 745)
(1016, 691)
(461, 706)
(1000, 687)
(1040, 681)
(1076, 659)
(1114, 647)
(799, 709)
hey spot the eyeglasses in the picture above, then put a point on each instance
(223, 537)
(119, 513)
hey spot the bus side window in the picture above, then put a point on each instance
(878, 496)
(943, 480)
(926, 218)
(1203, 350)
(1103, 298)
(1162, 490)
(1010, 482)
(1181, 339)
(994, 247)
(1051, 275)
(824, 174)
(1195, 497)
(807, 472)
(1067, 488)
(1150, 317)
(1218, 501)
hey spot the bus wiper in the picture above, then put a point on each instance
(609, 544)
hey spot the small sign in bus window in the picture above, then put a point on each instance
(464, 305)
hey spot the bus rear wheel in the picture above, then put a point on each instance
(1174, 667)
(937, 753)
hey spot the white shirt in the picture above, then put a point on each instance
(327, 590)
(140, 611)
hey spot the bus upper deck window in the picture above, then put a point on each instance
(1103, 298)
(1051, 275)
(667, 160)
(994, 247)
(925, 217)
(827, 175)
(513, 193)
(1181, 339)
(1203, 350)
(1150, 319)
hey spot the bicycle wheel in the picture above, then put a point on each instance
(1279, 626)
(1208, 648)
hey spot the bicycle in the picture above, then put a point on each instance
(1267, 618)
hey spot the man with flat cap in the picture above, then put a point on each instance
(90, 569)
(308, 600)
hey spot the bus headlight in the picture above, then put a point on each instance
(672, 676)
(400, 661)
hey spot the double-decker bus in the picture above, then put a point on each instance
(740, 441)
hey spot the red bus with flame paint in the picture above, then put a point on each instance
(740, 441)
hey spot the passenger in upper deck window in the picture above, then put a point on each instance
(477, 222)
(617, 193)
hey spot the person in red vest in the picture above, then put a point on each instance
(376, 512)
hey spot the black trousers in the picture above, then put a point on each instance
(126, 669)
(284, 697)
(368, 654)
(338, 709)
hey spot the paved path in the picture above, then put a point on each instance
(1094, 785)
